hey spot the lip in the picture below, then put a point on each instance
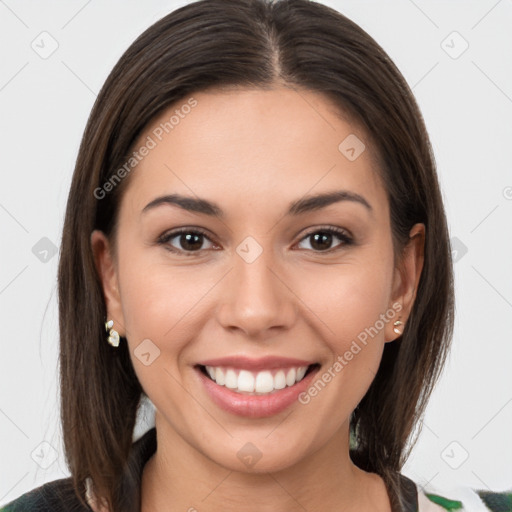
(256, 365)
(254, 406)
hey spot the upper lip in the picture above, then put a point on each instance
(256, 364)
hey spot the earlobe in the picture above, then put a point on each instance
(407, 278)
(106, 268)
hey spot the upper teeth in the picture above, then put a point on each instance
(260, 382)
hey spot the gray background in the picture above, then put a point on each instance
(466, 98)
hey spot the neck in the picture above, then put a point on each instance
(178, 477)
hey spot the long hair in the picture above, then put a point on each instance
(257, 44)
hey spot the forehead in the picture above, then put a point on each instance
(259, 146)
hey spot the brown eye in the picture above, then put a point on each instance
(185, 241)
(322, 239)
(190, 241)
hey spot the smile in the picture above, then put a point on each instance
(255, 388)
(256, 383)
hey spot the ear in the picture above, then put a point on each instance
(107, 272)
(406, 278)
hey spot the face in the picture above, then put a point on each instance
(255, 316)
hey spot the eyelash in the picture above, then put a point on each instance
(166, 237)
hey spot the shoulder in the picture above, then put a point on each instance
(432, 503)
(59, 495)
(464, 499)
(54, 496)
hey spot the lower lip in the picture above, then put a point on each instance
(255, 406)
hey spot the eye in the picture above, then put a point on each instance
(322, 239)
(189, 242)
(185, 241)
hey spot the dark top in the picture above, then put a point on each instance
(59, 495)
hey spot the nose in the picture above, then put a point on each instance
(256, 299)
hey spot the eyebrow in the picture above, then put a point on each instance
(304, 205)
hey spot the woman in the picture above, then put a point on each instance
(255, 221)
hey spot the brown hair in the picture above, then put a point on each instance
(248, 43)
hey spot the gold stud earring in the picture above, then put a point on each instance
(113, 335)
(395, 328)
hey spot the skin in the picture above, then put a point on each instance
(253, 152)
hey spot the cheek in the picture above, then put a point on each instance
(161, 301)
(158, 305)
(350, 307)
(155, 303)
(350, 300)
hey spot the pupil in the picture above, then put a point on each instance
(188, 239)
(322, 238)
